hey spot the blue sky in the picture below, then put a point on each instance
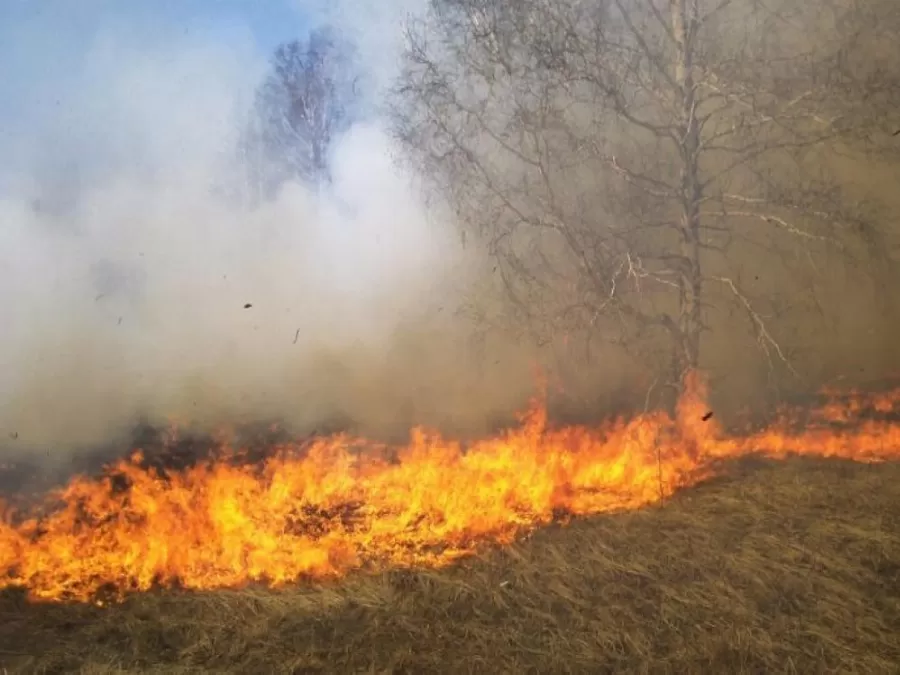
(93, 82)
(53, 65)
(42, 42)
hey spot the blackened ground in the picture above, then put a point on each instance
(26, 474)
(787, 566)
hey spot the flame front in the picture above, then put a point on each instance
(343, 504)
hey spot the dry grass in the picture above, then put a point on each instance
(778, 567)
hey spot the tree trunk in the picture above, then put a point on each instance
(684, 28)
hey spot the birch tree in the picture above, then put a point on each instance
(638, 168)
(308, 98)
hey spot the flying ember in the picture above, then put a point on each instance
(325, 508)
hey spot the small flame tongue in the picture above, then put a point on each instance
(340, 504)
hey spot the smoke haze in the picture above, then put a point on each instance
(126, 265)
(125, 271)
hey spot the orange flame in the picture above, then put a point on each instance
(341, 504)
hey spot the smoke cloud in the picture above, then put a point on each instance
(132, 287)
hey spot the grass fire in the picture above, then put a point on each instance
(337, 504)
(655, 541)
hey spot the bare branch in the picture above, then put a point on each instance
(766, 342)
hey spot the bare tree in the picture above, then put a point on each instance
(639, 167)
(309, 96)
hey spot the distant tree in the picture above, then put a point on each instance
(310, 95)
(641, 169)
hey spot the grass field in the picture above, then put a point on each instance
(774, 567)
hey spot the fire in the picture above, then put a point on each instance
(339, 504)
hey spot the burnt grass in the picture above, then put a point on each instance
(789, 566)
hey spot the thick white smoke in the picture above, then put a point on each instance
(124, 272)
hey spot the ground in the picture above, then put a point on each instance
(789, 566)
